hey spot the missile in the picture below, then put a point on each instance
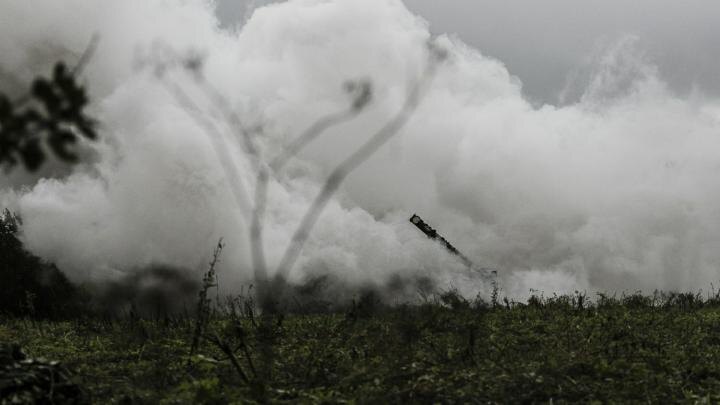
(434, 235)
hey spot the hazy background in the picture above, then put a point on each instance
(550, 44)
(569, 148)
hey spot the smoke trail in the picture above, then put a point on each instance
(616, 191)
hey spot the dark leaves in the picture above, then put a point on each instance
(52, 114)
(31, 154)
(60, 141)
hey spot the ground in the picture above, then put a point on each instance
(630, 349)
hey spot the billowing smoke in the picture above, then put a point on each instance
(617, 191)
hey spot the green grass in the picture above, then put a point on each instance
(634, 349)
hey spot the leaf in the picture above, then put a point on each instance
(59, 141)
(32, 154)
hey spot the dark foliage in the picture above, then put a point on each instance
(52, 115)
(24, 380)
(31, 287)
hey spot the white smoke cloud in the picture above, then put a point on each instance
(615, 192)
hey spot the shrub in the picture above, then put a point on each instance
(32, 287)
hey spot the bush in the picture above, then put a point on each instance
(32, 287)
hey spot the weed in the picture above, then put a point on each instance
(204, 308)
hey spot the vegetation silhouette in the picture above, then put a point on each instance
(50, 116)
(31, 286)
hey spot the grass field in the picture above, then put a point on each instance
(633, 348)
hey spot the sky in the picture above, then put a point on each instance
(569, 149)
(549, 44)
